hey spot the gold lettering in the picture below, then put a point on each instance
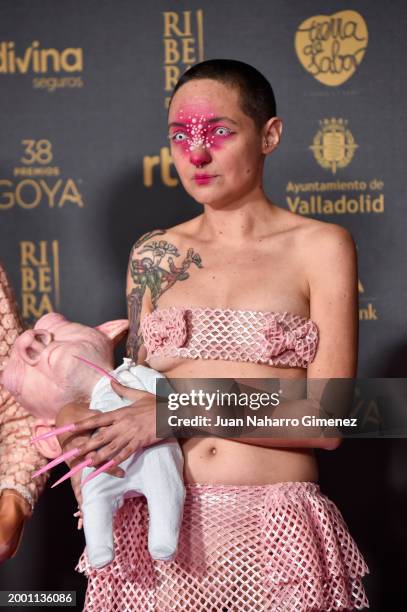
(172, 74)
(171, 24)
(187, 23)
(36, 57)
(166, 162)
(51, 191)
(27, 253)
(77, 64)
(44, 279)
(149, 162)
(28, 305)
(37, 194)
(27, 249)
(3, 58)
(54, 54)
(171, 53)
(22, 63)
(369, 313)
(11, 57)
(45, 305)
(9, 202)
(71, 194)
(43, 252)
(27, 279)
(188, 51)
(171, 20)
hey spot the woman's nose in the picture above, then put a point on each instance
(33, 342)
(200, 156)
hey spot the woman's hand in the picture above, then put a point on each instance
(68, 441)
(121, 432)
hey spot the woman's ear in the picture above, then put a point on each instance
(271, 135)
(49, 447)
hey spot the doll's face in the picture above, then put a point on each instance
(215, 146)
(46, 373)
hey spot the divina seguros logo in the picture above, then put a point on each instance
(43, 61)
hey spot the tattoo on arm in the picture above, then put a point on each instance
(149, 271)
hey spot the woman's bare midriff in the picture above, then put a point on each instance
(215, 460)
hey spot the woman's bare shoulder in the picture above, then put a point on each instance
(322, 237)
(317, 236)
(326, 249)
(169, 236)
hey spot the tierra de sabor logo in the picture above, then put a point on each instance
(40, 278)
(52, 68)
(331, 47)
(37, 183)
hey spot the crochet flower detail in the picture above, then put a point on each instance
(278, 339)
(166, 327)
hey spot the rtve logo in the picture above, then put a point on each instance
(164, 163)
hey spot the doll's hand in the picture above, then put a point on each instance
(120, 432)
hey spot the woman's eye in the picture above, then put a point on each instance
(222, 131)
(178, 137)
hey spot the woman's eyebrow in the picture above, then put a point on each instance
(216, 119)
(213, 120)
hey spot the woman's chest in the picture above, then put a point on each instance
(240, 279)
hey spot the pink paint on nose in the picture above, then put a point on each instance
(200, 157)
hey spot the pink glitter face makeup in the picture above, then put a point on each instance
(200, 129)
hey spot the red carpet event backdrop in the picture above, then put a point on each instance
(85, 169)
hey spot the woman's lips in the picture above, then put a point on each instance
(204, 179)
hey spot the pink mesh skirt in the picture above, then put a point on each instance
(283, 548)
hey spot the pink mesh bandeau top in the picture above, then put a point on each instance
(270, 338)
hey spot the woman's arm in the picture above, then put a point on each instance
(331, 267)
(140, 283)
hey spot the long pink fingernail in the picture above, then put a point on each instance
(74, 470)
(54, 432)
(96, 367)
(57, 461)
(101, 469)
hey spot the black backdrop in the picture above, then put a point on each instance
(85, 170)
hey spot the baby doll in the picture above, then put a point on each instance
(44, 373)
(18, 459)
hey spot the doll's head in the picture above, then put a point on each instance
(43, 372)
